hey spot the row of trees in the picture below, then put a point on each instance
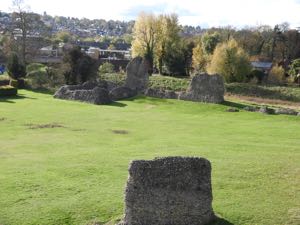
(226, 58)
(219, 50)
(157, 38)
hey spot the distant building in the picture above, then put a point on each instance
(93, 52)
(48, 51)
(263, 66)
(98, 53)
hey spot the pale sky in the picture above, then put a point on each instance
(206, 13)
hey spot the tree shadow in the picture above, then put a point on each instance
(11, 99)
(220, 221)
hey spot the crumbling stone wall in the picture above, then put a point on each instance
(87, 92)
(169, 191)
(205, 88)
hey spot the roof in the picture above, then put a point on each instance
(262, 65)
(47, 48)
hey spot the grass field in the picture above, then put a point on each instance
(64, 162)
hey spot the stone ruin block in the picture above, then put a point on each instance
(137, 74)
(169, 191)
(205, 88)
(86, 92)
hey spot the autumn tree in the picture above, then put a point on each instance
(199, 62)
(204, 49)
(230, 61)
(277, 75)
(168, 39)
(157, 39)
(209, 42)
(146, 37)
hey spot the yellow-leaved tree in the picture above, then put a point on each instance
(146, 36)
(168, 39)
(230, 61)
(156, 38)
(277, 75)
(199, 60)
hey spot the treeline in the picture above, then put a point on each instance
(170, 48)
(224, 50)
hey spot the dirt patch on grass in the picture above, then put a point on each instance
(44, 126)
(150, 106)
(78, 130)
(294, 216)
(263, 101)
(120, 131)
(2, 119)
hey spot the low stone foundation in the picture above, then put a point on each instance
(88, 92)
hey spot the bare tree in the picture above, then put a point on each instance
(25, 24)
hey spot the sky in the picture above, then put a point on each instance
(205, 13)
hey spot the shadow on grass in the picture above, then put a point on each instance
(147, 99)
(234, 104)
(42, 91)
(117, 104)
(10, 99)
(221, 221)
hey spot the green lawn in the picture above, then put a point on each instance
(64, 162)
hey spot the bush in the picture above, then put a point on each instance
(4, 82)
(15, 69)
(35, 67)
(277, 75)
(40, 76)
(258, 74)
(106, 68)
(295, 70)
(8, 91)
(38, 79)
(79, 67)
(168, 83)
(116, 78)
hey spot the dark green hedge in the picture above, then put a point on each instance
(4, 82)
(8, 91)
